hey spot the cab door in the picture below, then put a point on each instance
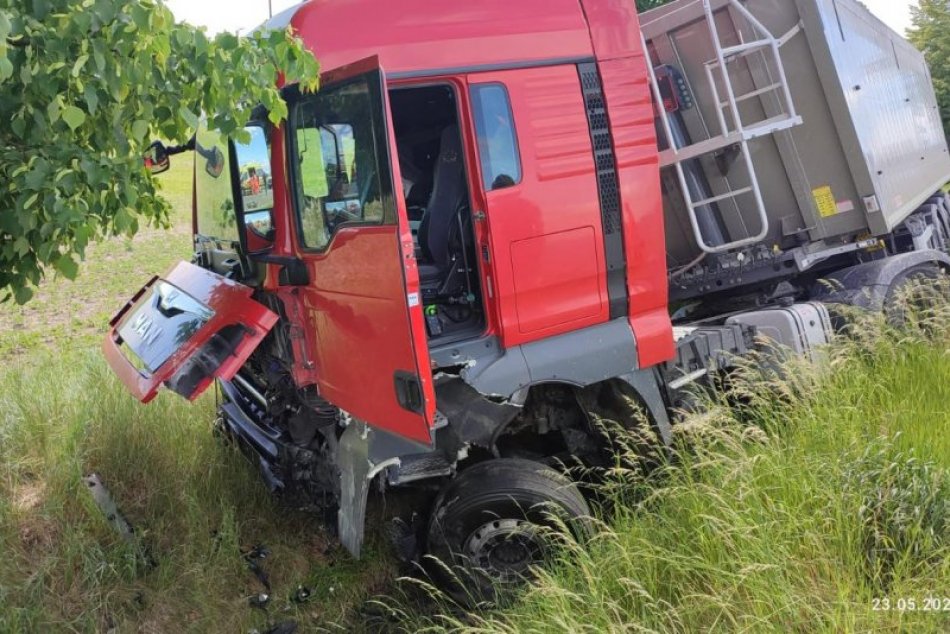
(539, 183)
(362, 310)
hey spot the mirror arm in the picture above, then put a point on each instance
(293, 271)
(171, 150)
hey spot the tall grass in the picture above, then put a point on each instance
(195, 505)
(822, 494)
(820, 498)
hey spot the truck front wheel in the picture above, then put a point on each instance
(492, 525)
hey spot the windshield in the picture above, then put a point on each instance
(214, 187)
(336, 138)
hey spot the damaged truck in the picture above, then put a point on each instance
(497, 222)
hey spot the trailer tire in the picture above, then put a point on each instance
(492, 525)
(912, 291)
(872, 286)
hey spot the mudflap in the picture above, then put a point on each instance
(646, 385)
(354, 465)
(363, 453)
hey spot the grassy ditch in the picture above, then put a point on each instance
(821, 505)
(808, 509)
(195, 504)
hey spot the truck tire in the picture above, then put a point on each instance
(487, 526)
(912, 291)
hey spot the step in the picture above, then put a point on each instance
(761, 129)
(748, 47)
(715, 199)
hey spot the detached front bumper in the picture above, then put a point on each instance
(184, 331)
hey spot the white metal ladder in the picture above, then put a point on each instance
(739, 135)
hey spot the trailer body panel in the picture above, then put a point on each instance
(871, 149)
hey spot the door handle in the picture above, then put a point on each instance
(409, 392)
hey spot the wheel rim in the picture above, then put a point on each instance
(505, 549)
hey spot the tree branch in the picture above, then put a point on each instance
(19, 42)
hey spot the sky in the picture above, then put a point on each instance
(227, 15)
(234, 15)
(896, 13)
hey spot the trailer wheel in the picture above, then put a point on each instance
(916, 289)
(491, 526)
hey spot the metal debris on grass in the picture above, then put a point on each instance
(259, 601)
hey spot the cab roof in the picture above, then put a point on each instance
(433, 36)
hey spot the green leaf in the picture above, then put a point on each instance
(45, 250)
(5, 26)
(22, 294)
(92, 99)
(139, 129)
(74, 117)
(140, 16)
(227, 41)
(18, 126)
(6, 68)
(105, 10)
(21, 246)
(53, 110)
(122, 220)
(77, 67)
(67, 266)
(190, 117)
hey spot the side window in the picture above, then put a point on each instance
(217, 214)
(257, 186)
(497, 140)
(336, 163)
(215, 198)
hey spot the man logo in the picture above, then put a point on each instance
(143, 327)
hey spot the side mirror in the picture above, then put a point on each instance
(156, 158)
(214, 163)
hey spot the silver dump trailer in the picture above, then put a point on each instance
(795, 131)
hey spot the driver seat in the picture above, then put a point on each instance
(449, 192)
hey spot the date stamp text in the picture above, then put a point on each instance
(911, 604)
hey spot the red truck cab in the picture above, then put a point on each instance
(450, 262)
(463, 226)
(496, 124)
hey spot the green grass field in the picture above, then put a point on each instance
(67, 315)
(825, 496)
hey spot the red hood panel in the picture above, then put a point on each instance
(183, 331)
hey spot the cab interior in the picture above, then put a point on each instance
(436, 186)
(335, 189)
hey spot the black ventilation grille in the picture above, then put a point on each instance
(608, 186)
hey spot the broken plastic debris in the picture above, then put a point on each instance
(256, 554)
(301, 595)
(259, 601)
(103, 499)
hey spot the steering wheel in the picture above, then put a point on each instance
(337, 217)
